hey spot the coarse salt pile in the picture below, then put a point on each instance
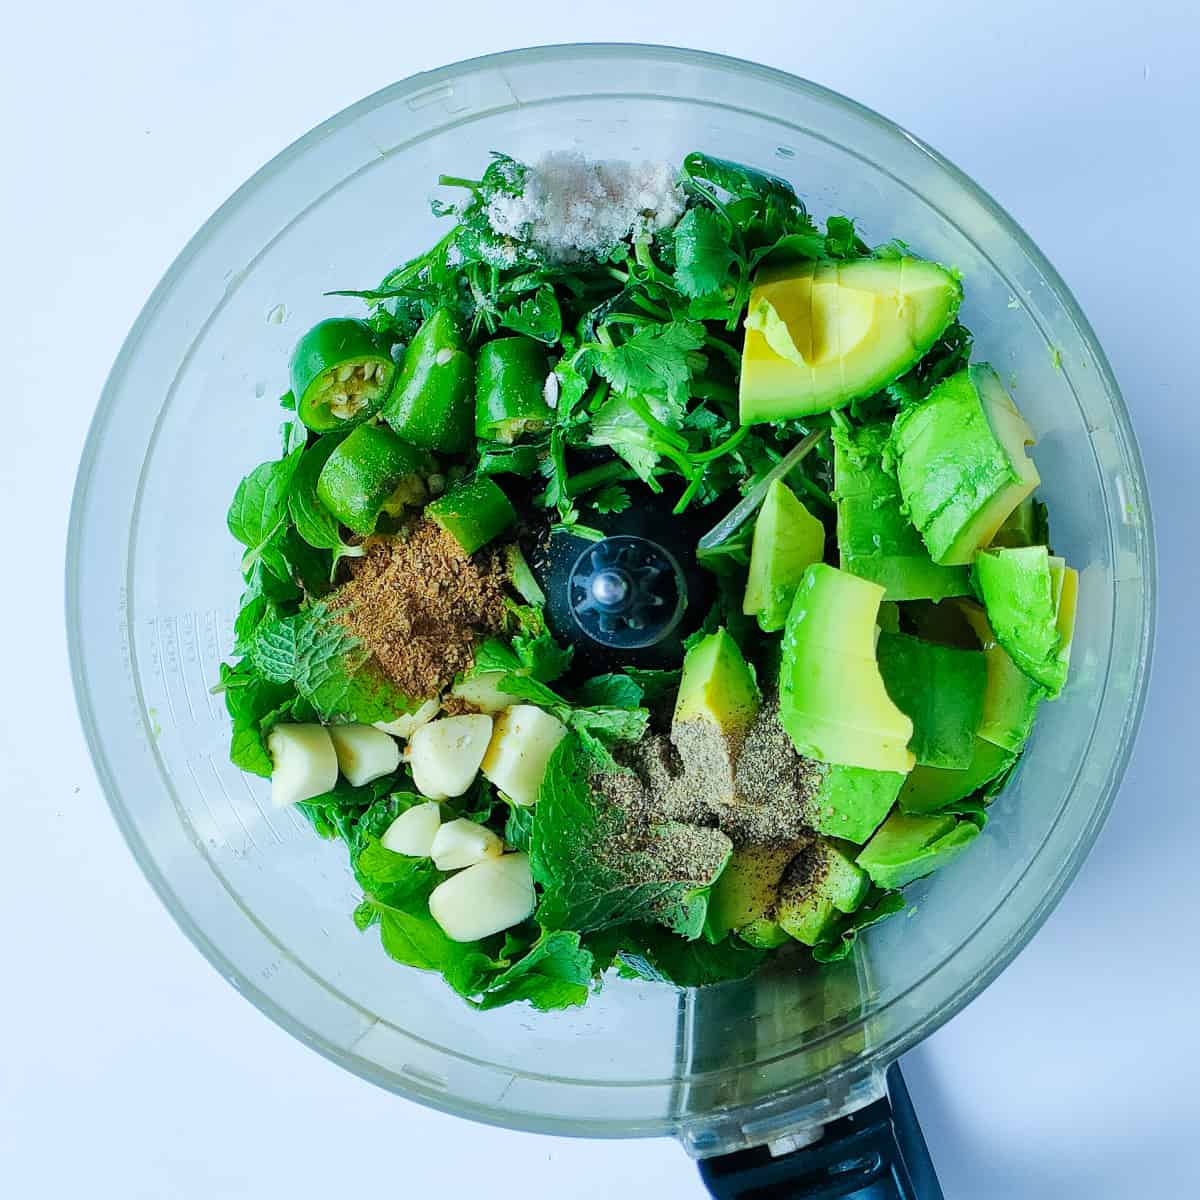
(574, 208)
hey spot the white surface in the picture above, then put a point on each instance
(131, 1069)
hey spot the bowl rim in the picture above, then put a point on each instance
(564, 52)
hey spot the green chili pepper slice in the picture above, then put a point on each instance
(371, 472)
(430, 406)
(341, 373)
(473, 513)
(511, 460)
(510, 389)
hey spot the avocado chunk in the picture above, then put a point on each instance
(747, 889)
(1030, 597)
(832, 700)
(1026, 525)
(820, 882)
(961, 463)
(929, 789)
(941, 689)
(764, 934)
(850, 802)
(1011, 698)
(876, 540)
(908, 847)
(787, 540)
(717, 703)
(820, 334)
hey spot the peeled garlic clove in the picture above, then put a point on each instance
(305, 764)
(364, 753)
(464, 843)
(413, 831)
(405, 725)
(445, 754)
(481, 692)
(484, 899)
(521, 746)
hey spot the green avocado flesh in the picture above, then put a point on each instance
(820, 882)
(832, 699)
(908, 847)
(851, 801)
(876, 540)
(744, 896)
(787, 540)
(940, 688)
(820, 334)
(1011, 698)
(718, 688)
(1030, 600)
(961, 463)
(929, 789)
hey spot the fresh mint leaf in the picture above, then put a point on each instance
(260, 508)
(703, 254)
(611, 691)
(411, 936)
(250, 700)
(538, 316)
(518, 828)
(594, 873)
(328, 667)
(597, 727)
(538, 654)
(646, 952)
(395, 880)
(314, 522)
(554, 973)
(655, 685)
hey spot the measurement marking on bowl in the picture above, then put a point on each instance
(156, 652)
(254, 800)
(212, 816)
(233, 808)
(176, 628)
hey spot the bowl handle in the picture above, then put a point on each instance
(876, 1153)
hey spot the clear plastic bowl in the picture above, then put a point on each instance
(153, 582)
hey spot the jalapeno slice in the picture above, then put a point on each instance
(430, 406)
(341, 374)
(510, 389)
(473, 513)
(371, 472)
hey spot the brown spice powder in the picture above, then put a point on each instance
(419, 604)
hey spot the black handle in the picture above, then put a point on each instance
(877, 1153)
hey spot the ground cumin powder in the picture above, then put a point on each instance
(419, 604)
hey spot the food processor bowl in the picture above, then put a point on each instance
(153, 584)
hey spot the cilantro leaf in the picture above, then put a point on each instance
(611, 499)
(538, 316)
(703, 254)
(260, 508)
(654, 359)
(592, 877)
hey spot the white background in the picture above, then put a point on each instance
(129, 1068)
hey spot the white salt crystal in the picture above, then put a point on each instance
(573, 208)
